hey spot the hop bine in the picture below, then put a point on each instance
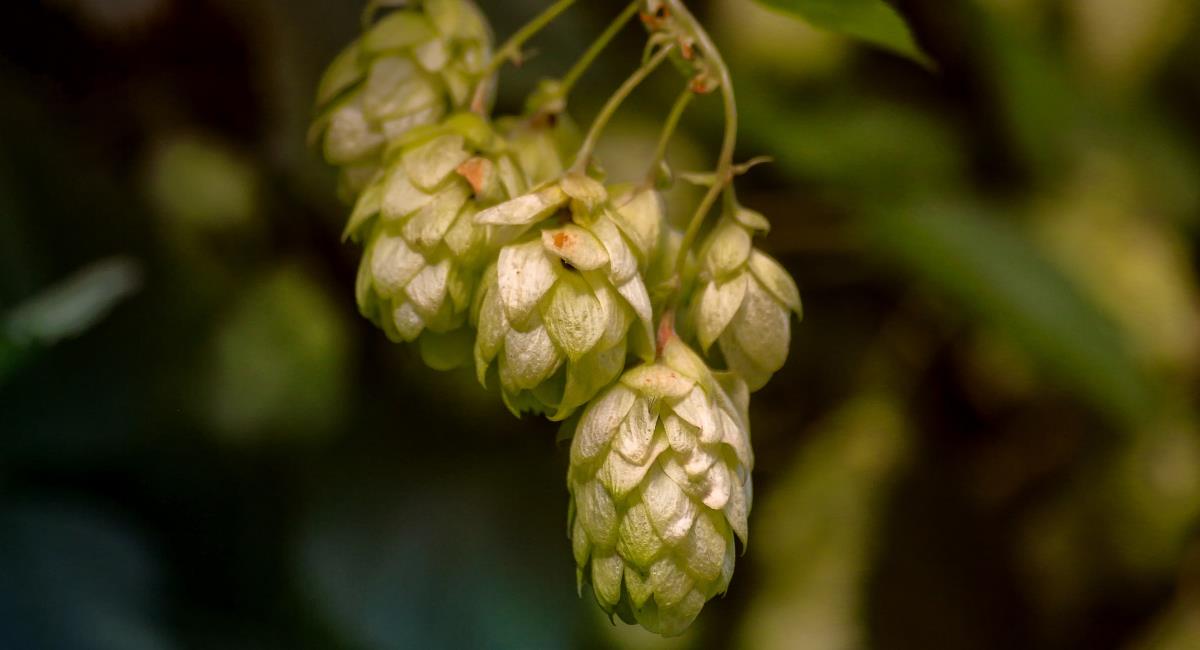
(660, 483)
(481, 242)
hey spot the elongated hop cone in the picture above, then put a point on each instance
(424, 254)
(744, 301)
(411, 68)
(660, 485)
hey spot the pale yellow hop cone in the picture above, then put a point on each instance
(411, 68)
(424, 253)
(744, 300)
(565, 303)
(660, 484)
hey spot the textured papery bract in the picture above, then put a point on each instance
(424, 254)
(660, 486)
(409, 69)
(565, 303)
(743, 300)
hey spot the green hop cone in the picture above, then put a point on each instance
(660, 484)
(410, 69)
(565, 302)
(424, 253)
(744, 300)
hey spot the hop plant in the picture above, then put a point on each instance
(660, 484)
(424, 254)
(744, 300)
(497, 242)
(565, 302)
(410, 69)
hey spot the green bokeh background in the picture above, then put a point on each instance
(986, 436)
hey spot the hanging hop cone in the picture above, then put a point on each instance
(744, 300)
(565, 303)
(411, 68)
(424, 254)
(660, 484)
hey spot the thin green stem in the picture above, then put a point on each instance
(724, 176)
(602, 41)
(668, 131)
(610, 108)
(512, 47)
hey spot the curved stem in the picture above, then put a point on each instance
(589, 56)
(610, 108)
(512, 47)
(724, 176)
(660, 151)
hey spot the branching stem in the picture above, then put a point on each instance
(584, 157)
(602, 41)
(724, 175)
(511, 49)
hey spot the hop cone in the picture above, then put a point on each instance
(410, 69)
(660, 483)
(424, 254)
(744, 300)
(565, 302)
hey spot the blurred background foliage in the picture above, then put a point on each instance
(986, 437)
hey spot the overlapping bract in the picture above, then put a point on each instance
(660, 484)
(411, 68)
(744, 300)
(565, 303)
(424, 253)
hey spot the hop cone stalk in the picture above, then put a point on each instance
(744, 300)
(411, 68)
(565, 302)
(424, 254)
(660, 484)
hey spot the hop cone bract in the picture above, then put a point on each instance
(660, 484)
(411, 68)
(744, 300)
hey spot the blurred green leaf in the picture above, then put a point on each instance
(992, 269)
(201, 183)
(873, 21)
(280, 361)
(815, 568)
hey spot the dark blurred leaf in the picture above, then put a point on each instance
(1032, 91)
(993, 270)
(870, 20)
(76, 304)
(73, 579)
(440, 560)
(65, 310)
(869, 146)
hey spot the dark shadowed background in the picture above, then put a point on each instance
(986, 435)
